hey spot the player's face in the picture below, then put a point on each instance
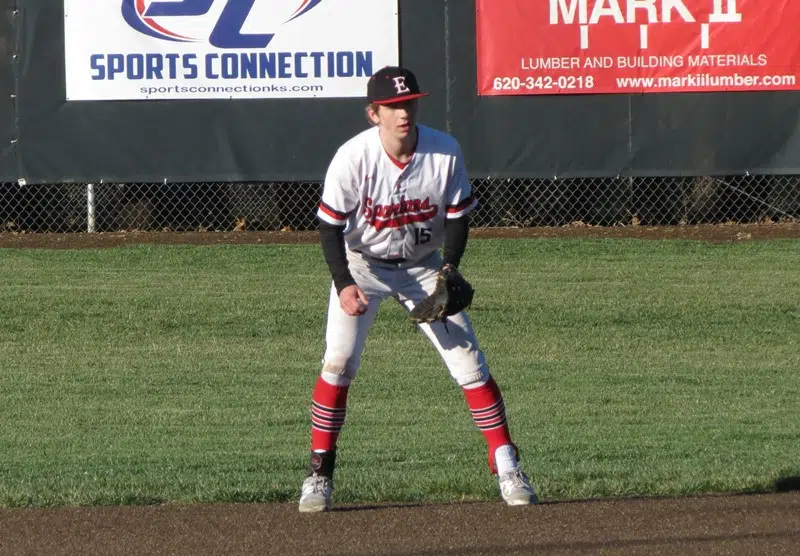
(398, 118)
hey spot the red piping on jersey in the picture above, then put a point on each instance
(398, 163)
(330, 211)
(460, 206)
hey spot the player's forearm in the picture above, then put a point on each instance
(456, 231)
(332, 238)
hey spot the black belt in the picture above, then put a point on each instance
(395, 261)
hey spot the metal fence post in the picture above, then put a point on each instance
(90, 208)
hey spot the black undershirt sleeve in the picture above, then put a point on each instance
(332, 238)
(456, 231)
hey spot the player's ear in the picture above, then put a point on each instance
(372, 113)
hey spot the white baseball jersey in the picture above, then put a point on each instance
(390, 211)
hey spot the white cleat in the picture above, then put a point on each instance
(315, 495)
(515, 488)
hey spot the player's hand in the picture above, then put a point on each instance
(353, 300)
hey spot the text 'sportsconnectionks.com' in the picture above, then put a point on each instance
(169, 90)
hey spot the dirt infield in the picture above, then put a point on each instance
(732, 232)
(743, 524)
(752, 524)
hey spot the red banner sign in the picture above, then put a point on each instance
(528, 47)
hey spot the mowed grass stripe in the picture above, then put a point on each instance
(155, 373)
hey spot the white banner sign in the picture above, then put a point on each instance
(210, 49)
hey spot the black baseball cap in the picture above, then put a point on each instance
(393, 84)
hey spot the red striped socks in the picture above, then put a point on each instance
(489, 414)
(328, 409)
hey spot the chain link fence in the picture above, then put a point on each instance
(107, 207)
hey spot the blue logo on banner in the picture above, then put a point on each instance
(227, 32)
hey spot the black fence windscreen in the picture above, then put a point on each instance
(8, 90)
(49, 140)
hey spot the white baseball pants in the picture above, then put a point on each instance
(408, 283)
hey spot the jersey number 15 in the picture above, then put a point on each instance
(422, 236)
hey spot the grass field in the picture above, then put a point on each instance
(154, 373)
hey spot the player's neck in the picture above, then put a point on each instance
(401, 149)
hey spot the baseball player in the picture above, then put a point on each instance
(393, 196)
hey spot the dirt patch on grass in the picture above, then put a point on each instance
(715, 233)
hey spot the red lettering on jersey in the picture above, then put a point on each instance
(397, 215)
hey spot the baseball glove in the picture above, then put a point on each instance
(451, 295)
